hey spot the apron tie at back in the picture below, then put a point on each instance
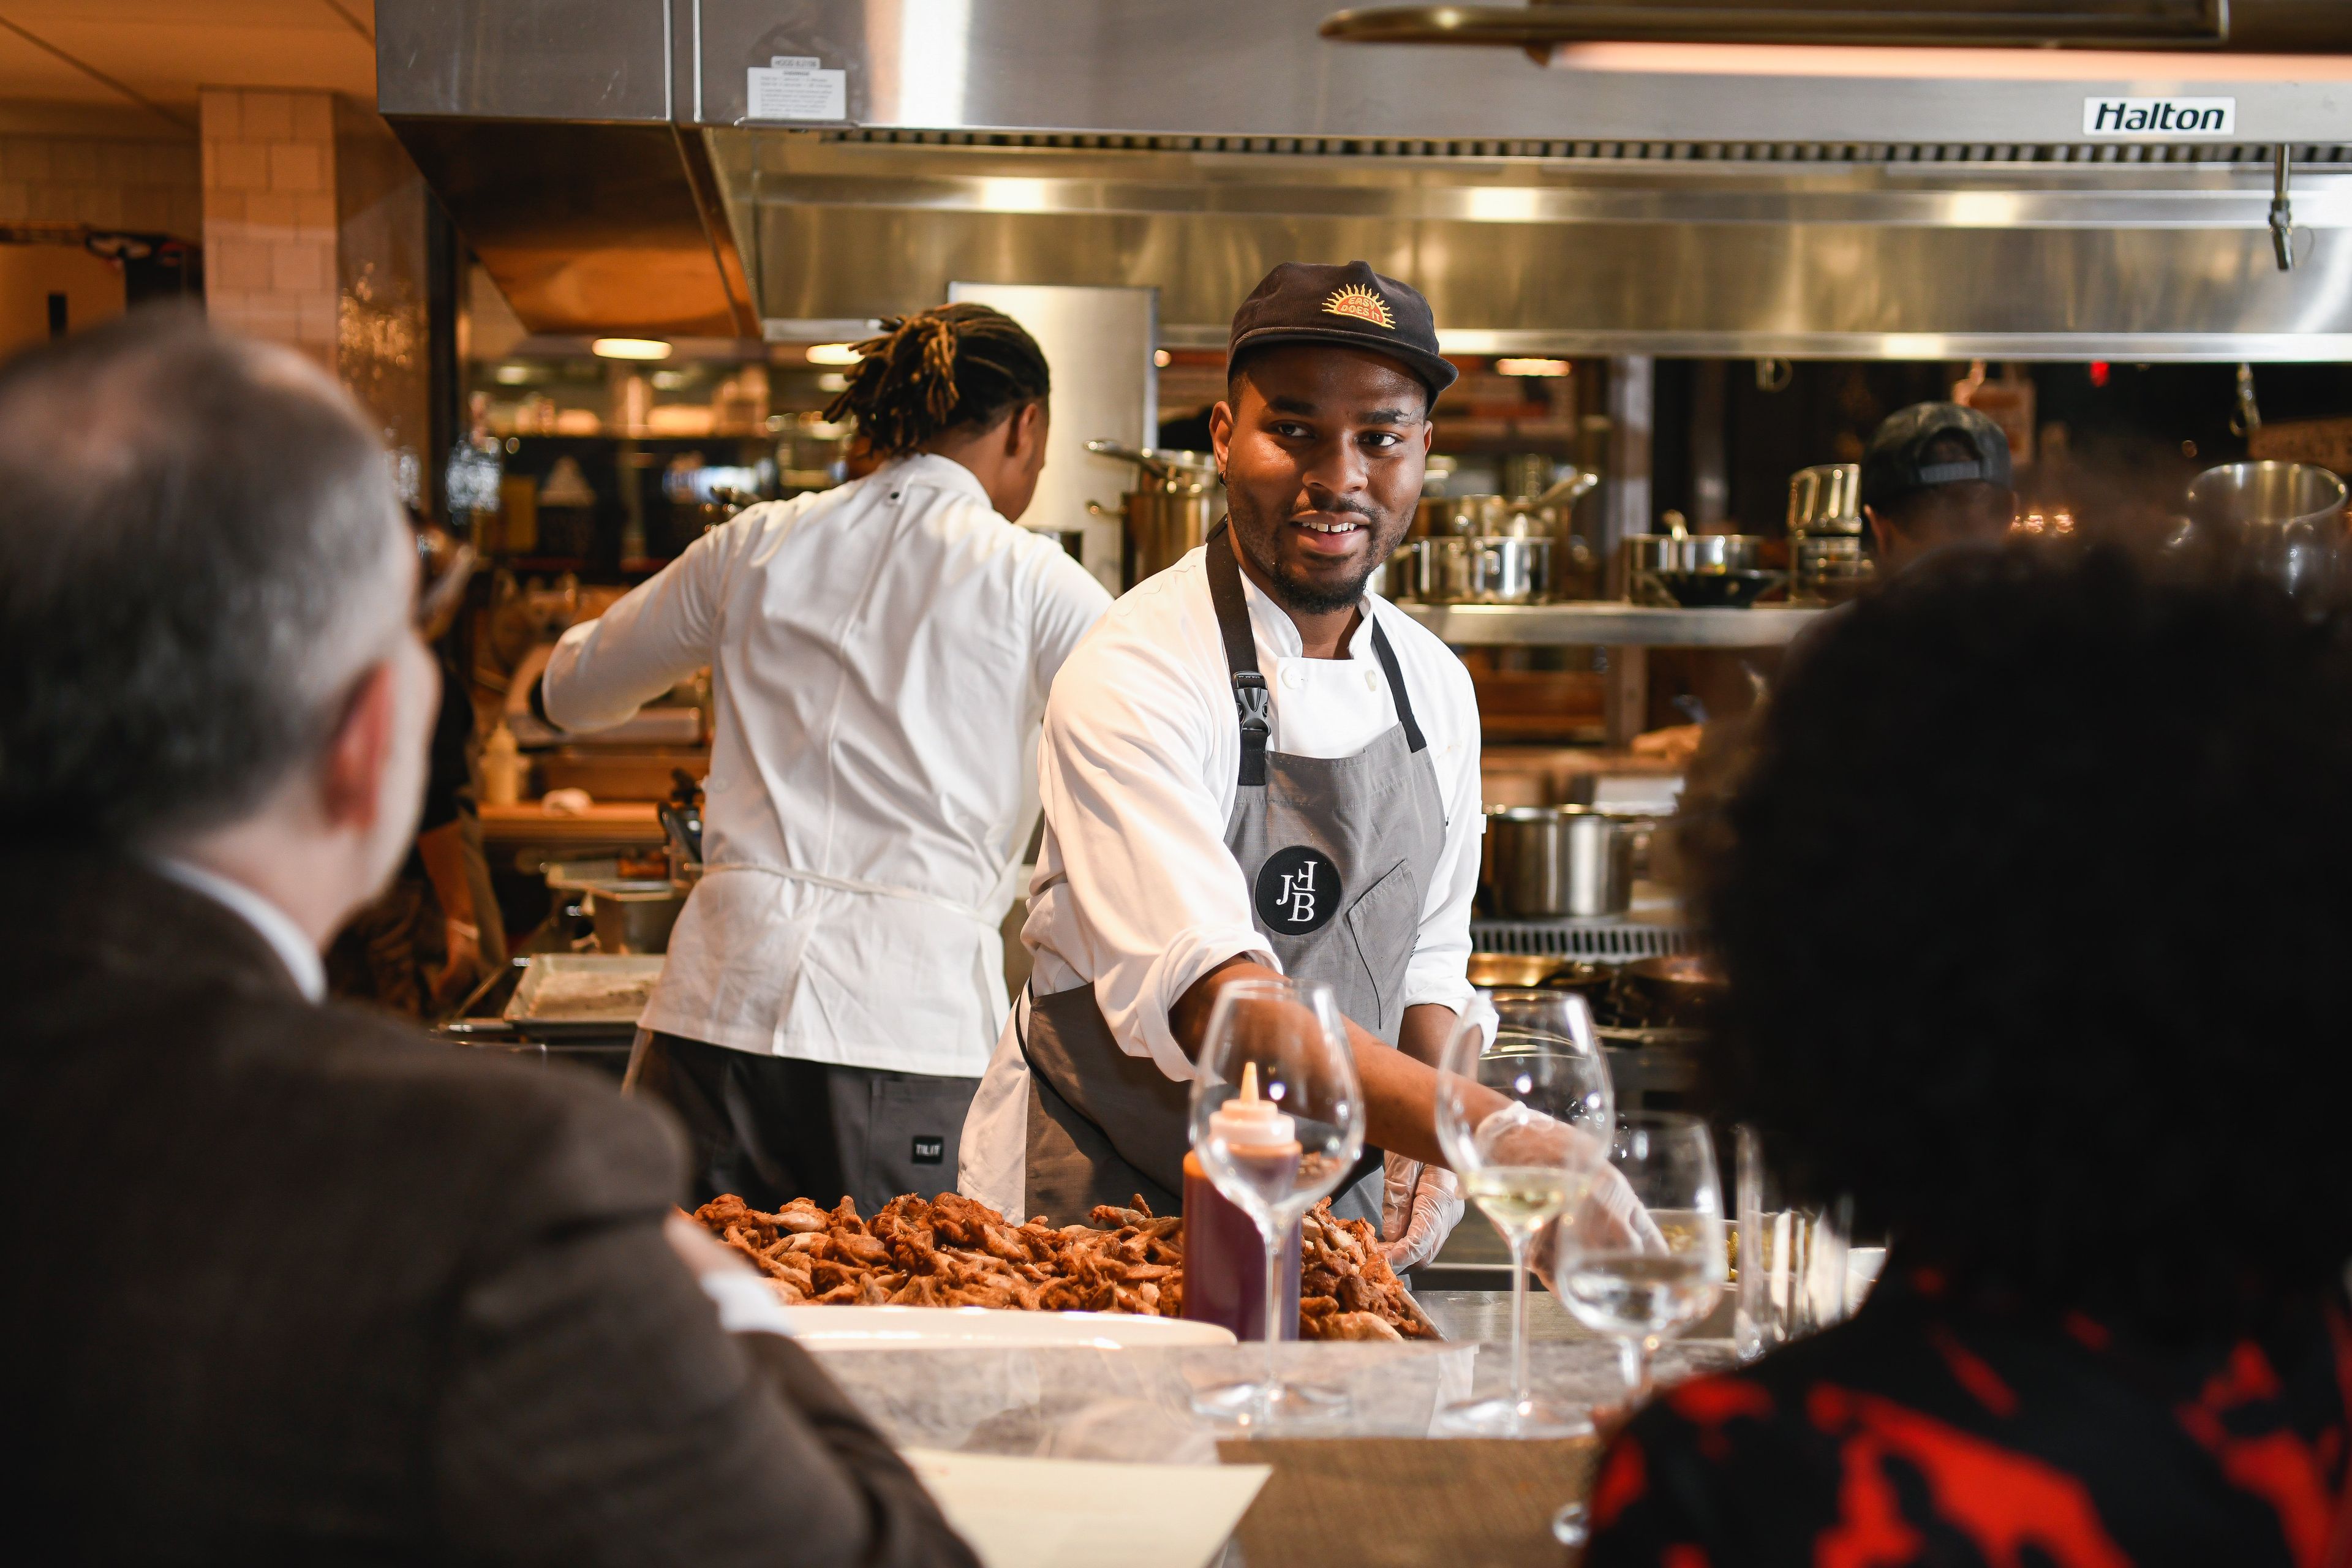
(851, 884)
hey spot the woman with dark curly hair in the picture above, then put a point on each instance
(879, 657)
(2034, 908)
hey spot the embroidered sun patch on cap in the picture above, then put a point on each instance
(1361, 303)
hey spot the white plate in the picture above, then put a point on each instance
(1078, 1513)
(901, 1328)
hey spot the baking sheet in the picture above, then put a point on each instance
(572, 995)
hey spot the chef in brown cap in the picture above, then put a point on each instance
(1253, 765)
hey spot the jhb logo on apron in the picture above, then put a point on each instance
(1298, 891)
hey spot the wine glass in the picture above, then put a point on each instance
(1641, 1283)
(1277, 1122)
(1793, 1256)
(1640, 1276)
(1523, 1121)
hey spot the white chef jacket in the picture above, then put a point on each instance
(879, 659)
(1135, 891)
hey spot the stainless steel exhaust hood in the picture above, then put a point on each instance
(2304, 26)
(729, 167)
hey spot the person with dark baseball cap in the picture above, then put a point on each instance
(1254, 768)
(1935, 474)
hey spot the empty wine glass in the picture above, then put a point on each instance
(1640, 1279)
(1277, 1122)
(1523, 1121)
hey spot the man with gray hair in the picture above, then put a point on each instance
(286, 1282)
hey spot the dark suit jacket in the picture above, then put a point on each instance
(281, 1282)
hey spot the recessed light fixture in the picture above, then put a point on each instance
(629, 348)
(833, 354)
(1531, 367)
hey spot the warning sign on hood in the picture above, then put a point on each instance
(797, 86)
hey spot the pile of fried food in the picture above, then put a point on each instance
(952, 1251)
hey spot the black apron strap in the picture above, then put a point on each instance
(1253, 704)
(1413, 735)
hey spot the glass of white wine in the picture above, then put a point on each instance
(1523, 1119)
(1277, 1122)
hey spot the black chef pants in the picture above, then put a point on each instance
(772, 1129)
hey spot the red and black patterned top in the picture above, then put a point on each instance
(1930, 1430)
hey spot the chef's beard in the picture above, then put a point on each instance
(1291, 591)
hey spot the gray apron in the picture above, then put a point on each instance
(1337, 852)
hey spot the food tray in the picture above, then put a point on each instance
(582, 996)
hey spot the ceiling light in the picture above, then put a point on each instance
(833, 354)
(1531, 367)
(513, 375)
(1162, 358)
(833, 381)
(629, 348)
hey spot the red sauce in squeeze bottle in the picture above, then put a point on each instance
(1225, 1251)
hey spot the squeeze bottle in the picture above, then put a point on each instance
(1224, 1252)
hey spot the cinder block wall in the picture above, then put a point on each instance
(149, 186)
(269, 220)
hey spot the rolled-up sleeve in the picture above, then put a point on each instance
(660, 632)
(1439, 969)
(1158, 898)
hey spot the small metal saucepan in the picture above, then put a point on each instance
(1679, 991)
(1535, 971)
(1457, 570)
(634, 916)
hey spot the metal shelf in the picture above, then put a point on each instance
(1607, 623)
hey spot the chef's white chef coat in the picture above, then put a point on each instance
(1135, 891)
(879, 657)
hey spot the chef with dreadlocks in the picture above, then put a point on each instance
(879, 657)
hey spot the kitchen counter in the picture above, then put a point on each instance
(1135, 1405)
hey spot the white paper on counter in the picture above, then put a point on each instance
(1084, 1513)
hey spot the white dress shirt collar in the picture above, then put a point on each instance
(1279, 633)
(277, 928)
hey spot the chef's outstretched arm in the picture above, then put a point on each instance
(1400, 1091)
(660, 632)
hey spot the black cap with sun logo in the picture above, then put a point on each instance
(1350, 305)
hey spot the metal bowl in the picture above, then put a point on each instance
(1704, 590)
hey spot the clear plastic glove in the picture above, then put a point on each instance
(1613, 1217)
(1609, 1215)
(1420, 1206)
(1610, 1219)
